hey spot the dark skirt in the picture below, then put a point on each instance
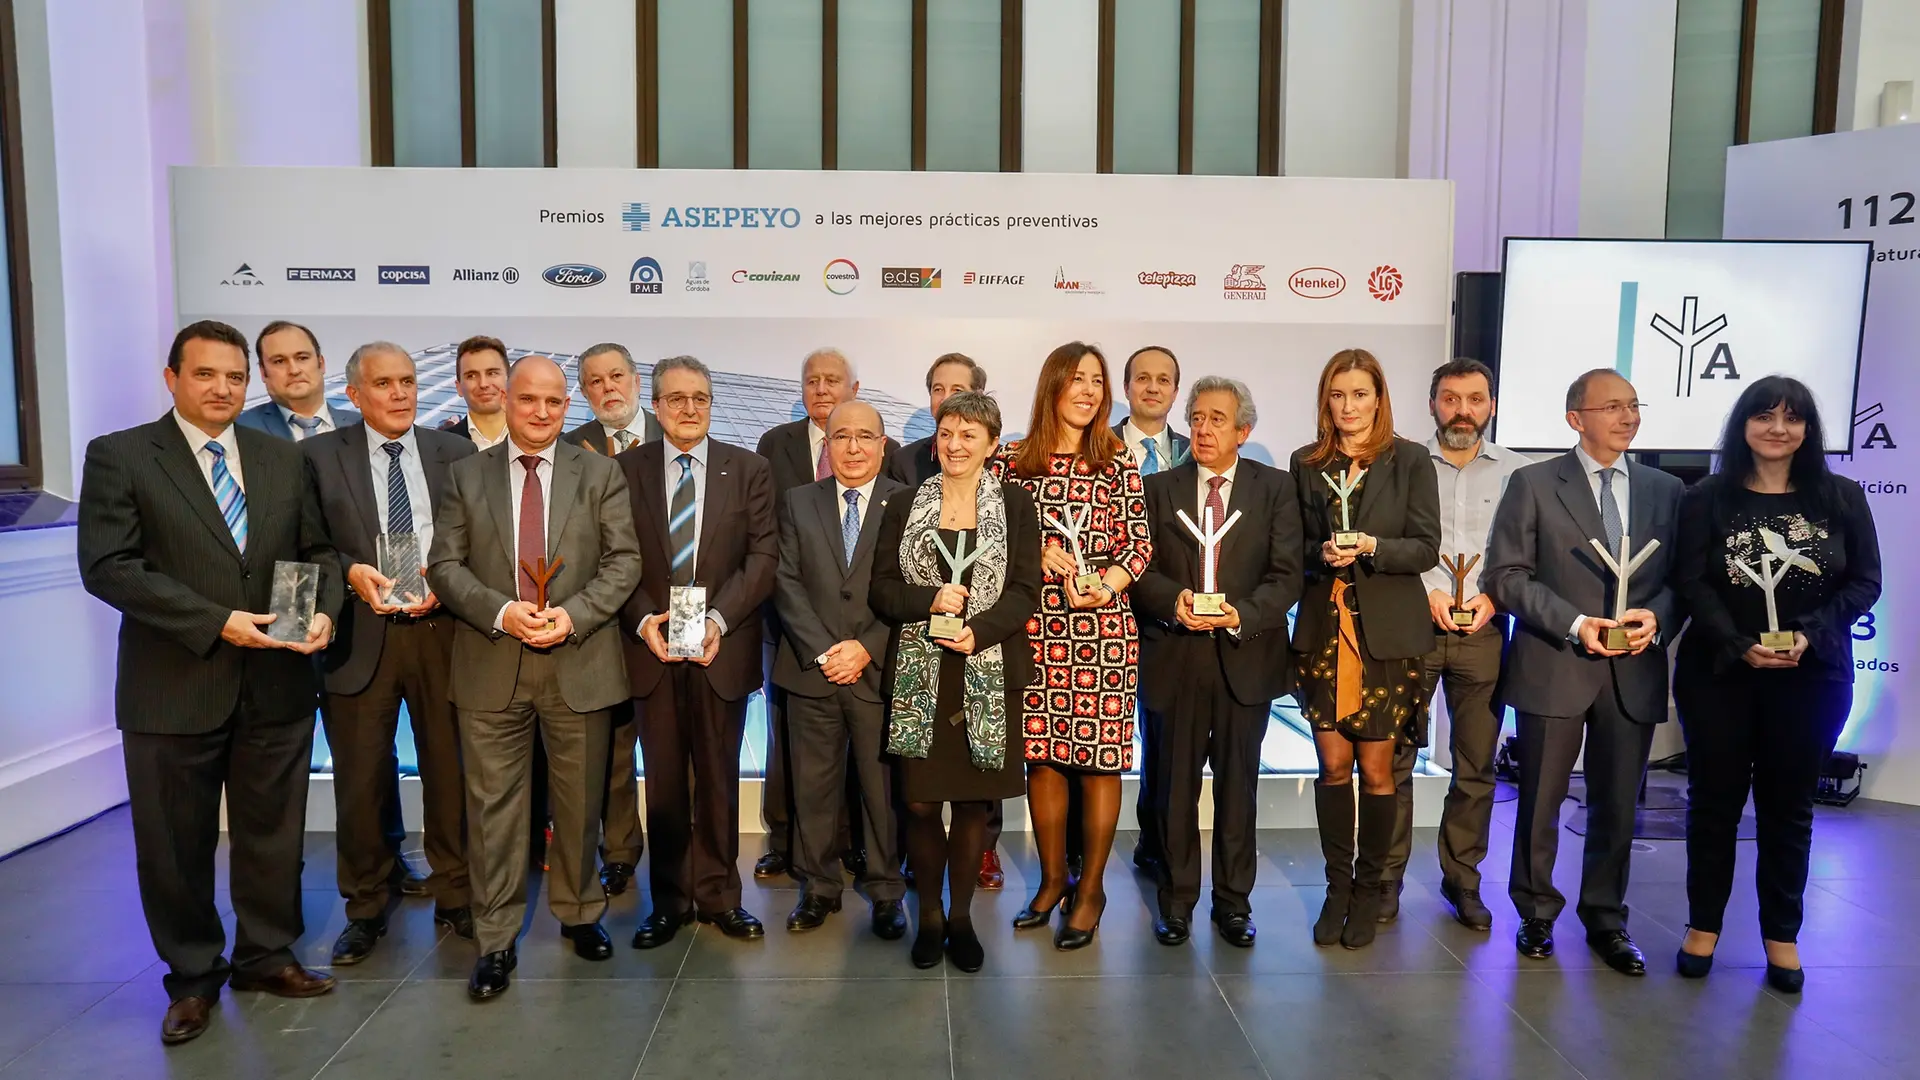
(1393, 694)
(947, 773)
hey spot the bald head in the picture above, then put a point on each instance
(536, 402)
(856, 442)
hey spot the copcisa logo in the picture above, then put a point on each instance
(574, 275)
(1700, 352)
(406, 275)
(646, 278)
(1243, 282)
(841, 277)
(243, 277)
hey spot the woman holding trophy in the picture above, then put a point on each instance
(1078, 711)
(1370, 510)
(956, 570)
(1777, 559)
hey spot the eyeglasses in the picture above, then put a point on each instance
(867, 440)
(1613, 409)
(679, 402)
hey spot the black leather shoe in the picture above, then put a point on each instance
(854, 862)
(1390, 901)
(1468, 909)
(1172, 930)
(186, 1020)
(590, 941)
(1786, 980)
(1535, 939)
(491, 975)
(458, 919)
(1692, 965)
(772, 864)
(1236, 928)
(404, 878)
(735, 923)
(963, 948)
(659, 928)
(1619, 951)
(928, 945)
(889, 920)
(1145, 861)
(811, 913)
(1032, 918)
(615, 877)
(356, 942)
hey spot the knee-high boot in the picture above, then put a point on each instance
(1377, 818)
(1333, 809)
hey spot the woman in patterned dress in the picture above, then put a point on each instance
(1362, 628)
(1078, 712)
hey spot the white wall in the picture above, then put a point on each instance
(1882, 45)
(1060, 101)
(595, 83)
(1628, 117)
(1344, 96)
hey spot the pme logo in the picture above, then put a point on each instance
(574, 275)
(646, 277)
(841, 277)
(405, 275)
(1700, 350)
(634, 216)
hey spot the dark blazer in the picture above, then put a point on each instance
(1182, 448)
(153, 545)
(592, 435)
(473, 570)
(266, 417)
(1399, 507)
(1003, 624)
(737, 559)
(913, 463)
(344, 474)
(1259, 571)
(821, 599)
(788, 452)
(458, 427)
(1541, 568)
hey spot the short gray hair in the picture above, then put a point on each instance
(853, 375)
(364, 351)
(1577, 390)
(974, 406)
(609, 347)
(1244, 414)
(679, 363)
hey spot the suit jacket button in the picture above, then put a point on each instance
(846, 596)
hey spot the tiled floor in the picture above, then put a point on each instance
(80, 992)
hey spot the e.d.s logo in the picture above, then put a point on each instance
(909, 277)
(646, 277)
(574, 275)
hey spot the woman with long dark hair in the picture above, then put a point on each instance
(1363, 626)
(1078, 712)
(1756, 718)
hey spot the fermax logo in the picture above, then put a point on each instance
(646, 277)
(910, 277)
(1167, 278)
(841, 277)
(574, 275)
(405, 275)
(320, 273)
(1243, 282)
(1690, 334)
(1317, 283)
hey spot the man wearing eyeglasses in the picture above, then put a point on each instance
(1563, 680)
(704, 512)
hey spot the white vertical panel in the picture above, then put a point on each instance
(963, 86)
(784, 83)
(1146, 86)
(1343, 98)
(1060, 96)
(509, 109)
(876, 80)
(596, 87)
(1629, 118)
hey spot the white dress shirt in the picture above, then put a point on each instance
(516, 479)
(229, 443)
(1469, 496)
(479, 439)
(1621, 499)
(325, 416)
(672, 475)
(419, 500)
(1136, 441)
(1200, 506)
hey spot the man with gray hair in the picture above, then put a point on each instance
(380, 480)
(1213, 652)
(611, 381)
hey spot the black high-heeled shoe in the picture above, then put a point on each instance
(928, 945)
(1067, 939)
(1786, 980)
(1692, 965)
(1032, 919)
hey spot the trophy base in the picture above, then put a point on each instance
(1209, 603)
(1616, 639)
(1346, 539)
(945, 627)
(1086, 583)
(1777, 640)
(1462, 618)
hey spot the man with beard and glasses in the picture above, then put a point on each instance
(1465, 660)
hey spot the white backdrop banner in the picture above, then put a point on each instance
(1851, 186)
(1258, 278)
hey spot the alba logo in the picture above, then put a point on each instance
(1385, 283)
(574, 275)
(841, 277)
(909, 277)
(243, 276)
(646, 277)
(1317, 283)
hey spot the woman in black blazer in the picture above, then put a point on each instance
(1362, 627)
(951, 699)
(1757, 718)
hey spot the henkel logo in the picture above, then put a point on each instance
(1317, 283)
(1243, 282)
(841, 277)
(974, 278)
(1168, 278)
(1385, 283)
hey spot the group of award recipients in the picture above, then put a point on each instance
(940, 627)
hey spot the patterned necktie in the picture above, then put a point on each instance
(623, 441)
(1217, 512)
(680, 523)
(850, 525)
(307, 426)
(822, 468)
(226, 492)
(399, 506)
(533, 525)
(1610, 512)
(1152, 463)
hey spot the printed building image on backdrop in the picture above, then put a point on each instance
(1257, 278)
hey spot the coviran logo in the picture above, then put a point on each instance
(1317, 283)
(754, 277)
(1166, 278)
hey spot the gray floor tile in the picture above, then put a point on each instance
(544, 954)
(1110, 1027)
(1871, 1009)
(75, 937)
(31, 1012)
(1285, 944)
(803, 1027)
(411, 937)
(844, 948)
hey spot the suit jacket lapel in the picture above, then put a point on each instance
(352, 455)
(180, 462)
(1242, 495)
(829, 510)
(1576, 494)
(720, 482)
(562, 493)
(883, 489)
(1639, 507)
(436, 469)
(801, 448)
(500, 500)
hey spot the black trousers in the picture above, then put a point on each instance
(690, 739)
(827, 737)
(1616, 760)
(1205, 724)
(174, 784)
(1768, 732)
(1467, 668)
(393, 826)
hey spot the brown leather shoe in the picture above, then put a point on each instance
(185, 1020)
(991, 876)
(292, 981)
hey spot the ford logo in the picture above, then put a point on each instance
(574, 275)
(1317, 283)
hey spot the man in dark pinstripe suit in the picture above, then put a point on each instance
(181, 522)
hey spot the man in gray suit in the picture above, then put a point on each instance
(529, 653)
(382, 478)
(832, 650)
(1560, 676)
(295, 375)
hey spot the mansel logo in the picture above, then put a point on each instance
(730, 217)
(574, 275)
(1317, 283)
(1168, 278)
(646, 277)
(320, 273)
(909, 277)
(841, 277)
(405, 275)
(1076, 285)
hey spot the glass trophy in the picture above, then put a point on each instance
(400, 562)
(1085, 577)
(296, 589)
(687, 622)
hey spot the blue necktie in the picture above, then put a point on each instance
(399, 506)
(226, 492)
(680, 523)
(1152, 464)
(1610, 512)
(850, 525)
(307, 425)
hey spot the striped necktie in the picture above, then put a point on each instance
(226, 492)
(399, 506)
(680, 523)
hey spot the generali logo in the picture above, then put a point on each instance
(1385, 283)
(1168, 278)
(1317, 283)
(1243, 282)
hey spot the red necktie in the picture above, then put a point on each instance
(822, 468)
(533, 526)
(1217, 510)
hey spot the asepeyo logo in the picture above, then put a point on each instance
(1165, 278)
(728, 217)
(1690, 334)
(841, 277)
(1317, 283)
(646, 277)
(1385, 283)
(1243, 282)
(634, 216)
(406, 275)
(574, 275)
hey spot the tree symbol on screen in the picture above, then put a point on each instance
(1689, 335)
